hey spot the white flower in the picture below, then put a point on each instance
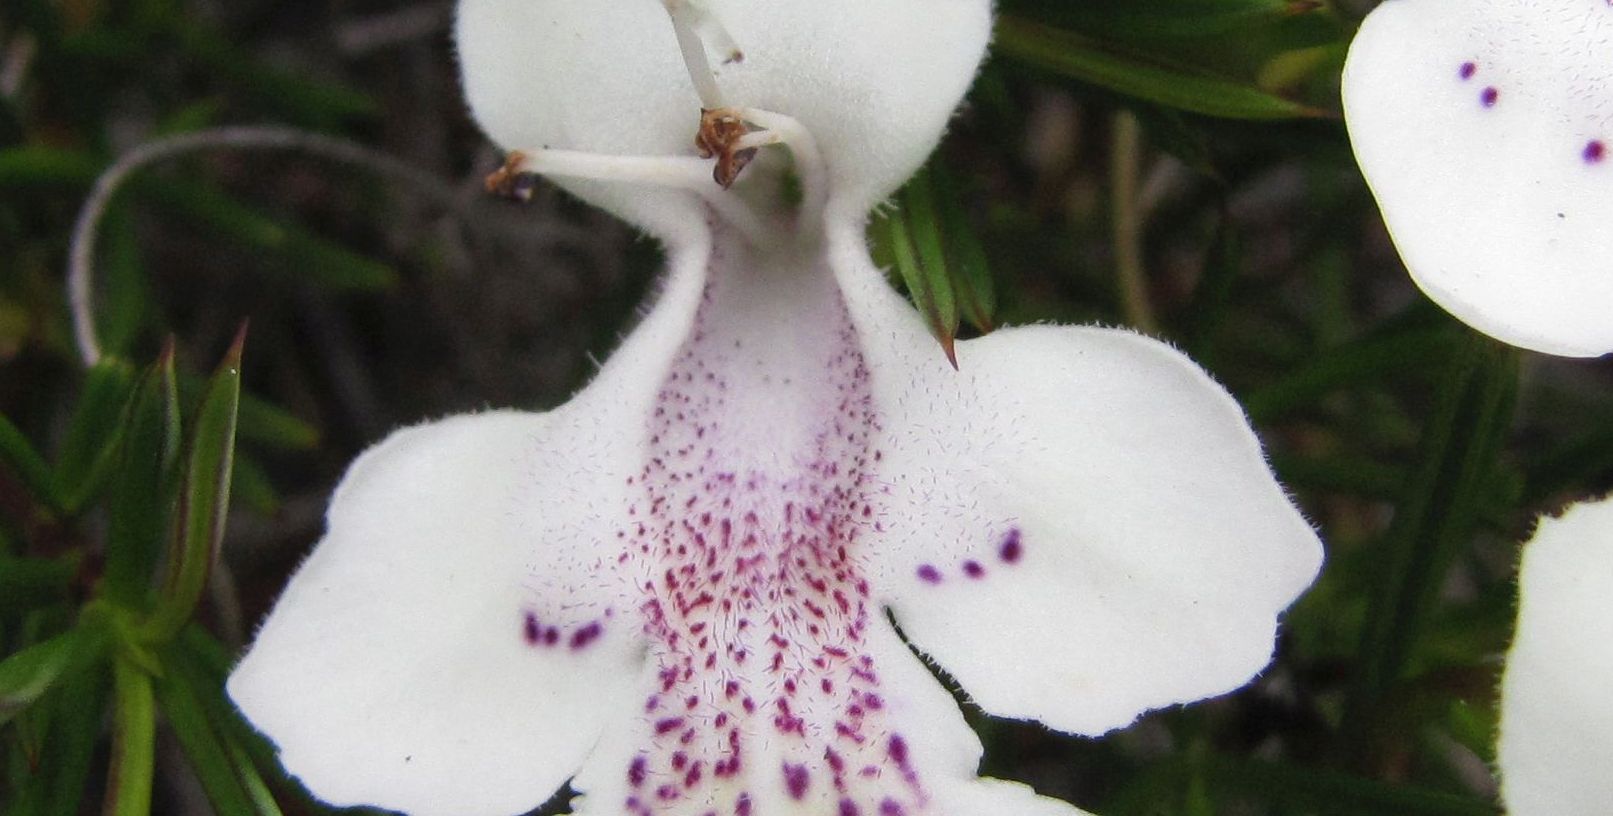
(673, 589)
(1485, 129)
(1556, 713)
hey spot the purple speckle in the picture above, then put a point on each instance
(890, 807)
(586, 635)
(530, 630)
(849, 808)
(1467, 70)
(796, 779)
(742, 807)
(637, 771)
(668, 725)
(1011, 549)
(973, 569)
(929, 574)
(1595, 151)
(1489, 96)
(898, 750)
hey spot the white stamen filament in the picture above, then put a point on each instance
(686, 18)
(778, 128)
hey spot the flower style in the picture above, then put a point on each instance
(676, 590)
(1485, 129)
(1556, 720)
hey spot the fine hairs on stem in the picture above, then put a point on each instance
(81, 254)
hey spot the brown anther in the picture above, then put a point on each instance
(510, 181)
(720, 132)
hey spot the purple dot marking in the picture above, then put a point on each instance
(973, 569)
(849, 808)
(890, 807)
(586, 635)
(898, 749)
(1595, 151)
(929, 574)
(796, 780)
(530, 630)
(1489, 96)
(1467, 70)
(1011, 549)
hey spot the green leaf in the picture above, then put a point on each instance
(967, 264)
(1163, 18)
(90, 448)
(28, 674)
(17, 454)
(1292, 789)
(26, 583)
(261, 421)
(1389, 353)
(125, 299)
(311, 258)
(1145, 76)
(232, 784)
(134, 733)
(942, 263)
(61, 774)
(142, 495)
(33, 166)
(1442, 504)
(204, 500)
(302, 99)
(923, 261)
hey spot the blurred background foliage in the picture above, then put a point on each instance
(1178, 166)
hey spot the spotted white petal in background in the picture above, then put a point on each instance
(1556, 744)
(1082, 524)
(874, 81)
(451, 647)
(1485, 129)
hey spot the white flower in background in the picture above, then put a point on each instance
(1485, 129)
(1556, 741)
(673, 589)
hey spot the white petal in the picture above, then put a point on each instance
(1556, 740)
(452, 646)
(875, 81)
(1081, 524)
(1485, 129)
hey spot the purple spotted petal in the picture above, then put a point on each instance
(1483, 128)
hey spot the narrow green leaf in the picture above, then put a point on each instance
(1163, 18)
(1444, 500)
(211, 760)
(125, 299)
(32, 166)
(311, 258)
(1111, 66)
(134, 733)
(967, 265)
(937, 306)
(17, 454)
(924, 231)
(1370, 359)
(26, 583)
(302, 99)
(1290, 789)
(89, 451)
(204, 500)
(261, 421)
(28, 674)
(61, 773)
(142, 497)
